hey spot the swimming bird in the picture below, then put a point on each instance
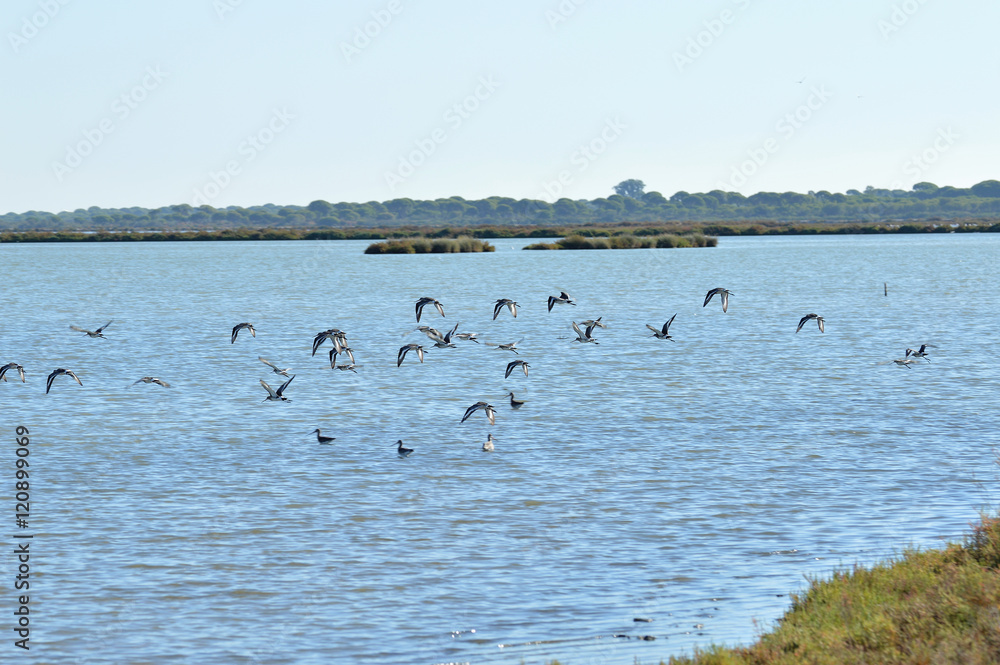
(321, 438)
(919, 353)
(409, 347)
(57, 372)
(509, 347)
(504, 302)
(10, 366)
(95, 333)
(584, 336)
(809, 317)
(511, 366)
(276, 395)
(152, 379)
(238, 328)
(488, 408)
(428, 301)
(274, 368)
(515, 403)
(488, 445)
(663, 332)
(562, 299)
(401, 451)
(723, 293)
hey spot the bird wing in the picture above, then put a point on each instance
(512, 306)
(420, 353)
(283, 386)
(510, 368)
(350, 354)
(161, 382)
(74, 376)
(725, 300)
(491, 414)
(420, 308)
(440, 308)
(48, 381)
(496, 309)
(578, 332)
(666, 326)
(3, 370)
(104, 326)
(401, 355)
(552, 301)
(78, 329)
(589, 330)
(819, 321)
(653, 329)
(20, 373)
(268, 363)
(236, 331)
(268, 388)
(708, 296)
(469, 412)
(802, 322)
(524, 366)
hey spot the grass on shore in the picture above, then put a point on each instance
(936, 606)
(577, 241)
(430, 246)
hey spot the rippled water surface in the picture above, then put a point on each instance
(694, 483)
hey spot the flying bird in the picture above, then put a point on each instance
(809, 317)
(919, 353)
(468, 336)
(509, 347)
(276, 395)
(57, 372)
(321, 438)
(338, 337)
(905, 362)
(562, 299)
(274, 368)
(594, 324)
(9, 366)
(443, 341)
(335, 351)
(488, 444)
(504, 302)
(347, 368)
(723, 293)
(663, 333)
(401, 451)
(409, 347)
(238, 328)
(428, 301)
(488, 408)
(95, 333)
(511, 366)
(152, 379)
(584, 335)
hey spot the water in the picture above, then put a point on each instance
(694, 482)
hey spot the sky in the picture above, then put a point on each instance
(118, 103)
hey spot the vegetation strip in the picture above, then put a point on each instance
(424, 245)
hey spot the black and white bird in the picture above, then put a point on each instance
(347, 368)
(511, 366)
(467, 336)
(515, 403)
(338, 337)
(403, 350)
(9, 366)
(321, 438)
(722, 293)
(95, 333)
(488, 408)
(151, 379)
(428, 301)
(274, 368)
(488, 444)
(504, 302)
(276, 395)
(663, 333)
(338, 350)
(562, 299)
(809, 317)
(905, 362)
(443, 341)
(584, 335)
(57, 372)
(594, 323)
(919, 353)
(241, 326)
(401, 451)
(509, 347)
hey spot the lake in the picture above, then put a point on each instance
(696, 482)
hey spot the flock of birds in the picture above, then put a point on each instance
(341, 348)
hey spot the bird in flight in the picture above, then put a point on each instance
(409, 347)
(809, 317)
(584, 335)
(504, 302)
(508, 347)
(562, 299)
(95, 333)
(238, 328)
(428, 301)
(276, 395)
(9, 366)
(511, 366)
(488, 408)
(57, 372)
(919, 353)
(152, 379)
(274, 368)
(663, 333)
(723, 293)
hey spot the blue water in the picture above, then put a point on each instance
(693, 482)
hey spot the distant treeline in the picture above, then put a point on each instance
(768, 227)
(925, 202)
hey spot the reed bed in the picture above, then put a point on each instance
(662, 241)
(425, 245)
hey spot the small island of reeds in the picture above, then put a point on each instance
(424, 245)
(628, 241)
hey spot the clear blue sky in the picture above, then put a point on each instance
(245, 102)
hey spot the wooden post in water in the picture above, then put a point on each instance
(885, 289)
